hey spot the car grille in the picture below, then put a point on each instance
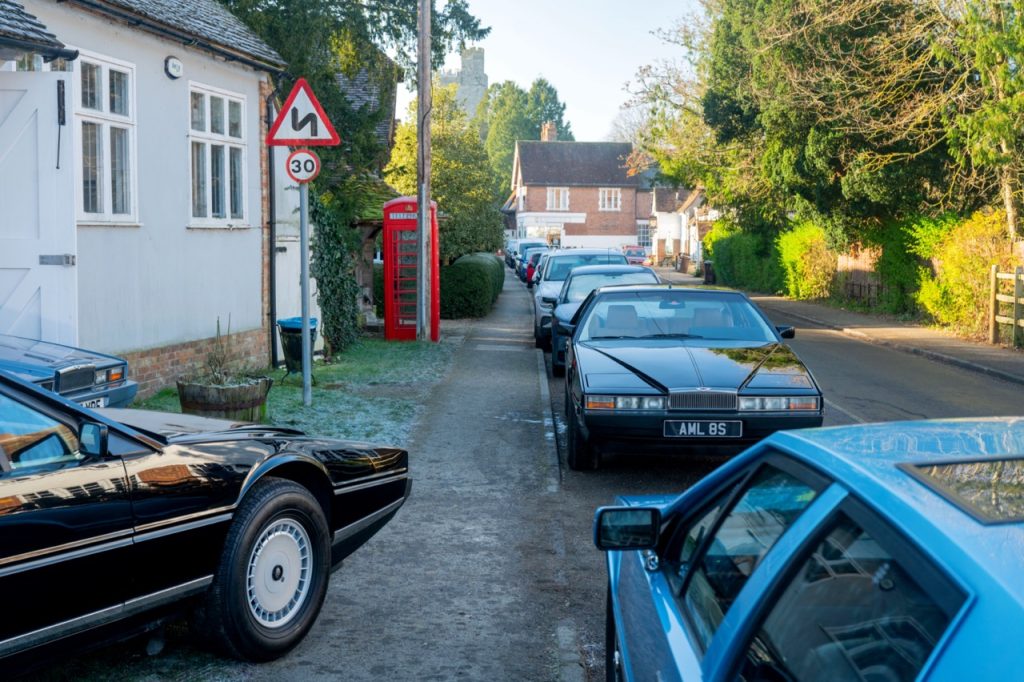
(702, 400)
(75, 378)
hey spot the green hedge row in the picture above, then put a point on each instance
(469, 286)
(935, 268)
(742, 259)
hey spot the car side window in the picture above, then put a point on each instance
(770, 503)
(30, 438)
(852, 612)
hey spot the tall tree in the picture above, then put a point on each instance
(543, 106)
(460, 176)
(507, 121)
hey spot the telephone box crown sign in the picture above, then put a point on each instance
(302, 121)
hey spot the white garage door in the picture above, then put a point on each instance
(38, 282)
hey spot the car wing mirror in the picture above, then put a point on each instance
(618, 528)
(786, 331)
(94, 439)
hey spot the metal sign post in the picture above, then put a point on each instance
(302, 121)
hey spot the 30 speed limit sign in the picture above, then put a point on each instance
(303, 166)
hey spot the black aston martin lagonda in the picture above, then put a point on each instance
(674, 367)
(112, 521)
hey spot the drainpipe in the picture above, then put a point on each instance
(273, 235)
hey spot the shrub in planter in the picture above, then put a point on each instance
(466, 289)
(224, 388)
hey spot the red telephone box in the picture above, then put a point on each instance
(400, 258)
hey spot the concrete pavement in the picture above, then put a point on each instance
(935, 344)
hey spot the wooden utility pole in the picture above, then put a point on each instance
(423, 173)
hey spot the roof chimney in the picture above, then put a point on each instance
(548, 132)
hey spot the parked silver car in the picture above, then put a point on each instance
(557, 267)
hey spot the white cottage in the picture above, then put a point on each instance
(134, 202)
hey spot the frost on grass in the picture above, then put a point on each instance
(373, 392)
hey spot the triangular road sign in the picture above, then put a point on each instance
(302, 121)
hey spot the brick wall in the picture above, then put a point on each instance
(586, 200)
(158, 368)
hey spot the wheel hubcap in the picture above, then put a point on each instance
(279, 573)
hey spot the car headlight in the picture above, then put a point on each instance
(779, 403)
(111, 375)
(625, 402)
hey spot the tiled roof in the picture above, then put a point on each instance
(363, 91)
(592, 164)
(667, 199)
(205, 19)
(18, 25)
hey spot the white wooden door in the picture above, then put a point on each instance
(38, 280)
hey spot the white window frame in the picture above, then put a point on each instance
(609, 199)
(522, 199)
(643, 233)
(106, 120)
(209, 138)
(558, 199)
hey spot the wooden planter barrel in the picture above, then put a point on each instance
(244, 401)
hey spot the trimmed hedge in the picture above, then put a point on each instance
(745, 260)
(467, 288)
(495, 266)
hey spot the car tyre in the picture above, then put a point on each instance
(612, 659)
(581, 454)
(556, 369)
(273, 573)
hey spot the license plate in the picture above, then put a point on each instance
(95, 402)
(703, 429)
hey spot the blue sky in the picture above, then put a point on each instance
(588, 49)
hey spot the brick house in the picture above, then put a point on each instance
(577, 194)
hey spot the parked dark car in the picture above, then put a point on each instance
(577, 286)
(89, 378)
(114, 520)
(674, 367)
(524, 259)
(870, 552)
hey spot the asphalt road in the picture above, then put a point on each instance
(489, 572)
(862, 382)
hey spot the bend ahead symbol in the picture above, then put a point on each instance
(307, 120)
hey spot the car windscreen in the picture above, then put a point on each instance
(581, 285)
(635, 252)
(674, 313)
(559, 267)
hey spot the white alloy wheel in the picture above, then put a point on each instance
(278, 576)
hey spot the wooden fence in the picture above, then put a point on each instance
(1015, 319)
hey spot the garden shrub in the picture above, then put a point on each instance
(495, 267)
(742, 259)
(333, 267)
(467, 287)
(808, 265)
(956, 295)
